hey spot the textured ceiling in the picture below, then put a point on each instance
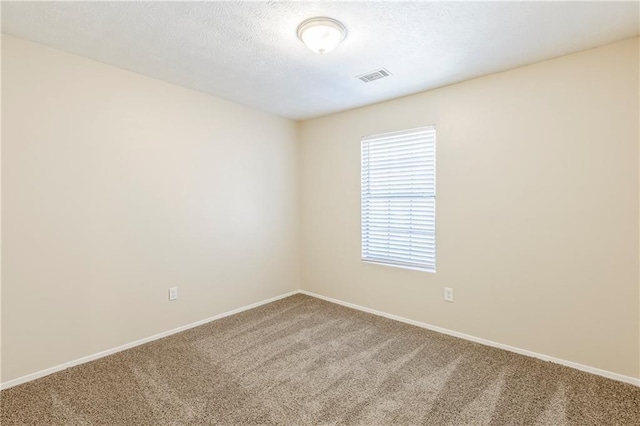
(248, 51)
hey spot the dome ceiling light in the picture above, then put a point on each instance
(321, 35)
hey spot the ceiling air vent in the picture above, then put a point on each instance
(374, 75)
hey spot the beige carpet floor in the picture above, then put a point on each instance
(302, 361)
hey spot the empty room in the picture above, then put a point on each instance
(320, 213)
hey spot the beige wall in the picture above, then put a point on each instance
(116, 187)
(537, 211)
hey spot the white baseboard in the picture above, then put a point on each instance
(586, 368)
(88, 358)
(85, 359)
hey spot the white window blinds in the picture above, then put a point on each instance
(399, 198)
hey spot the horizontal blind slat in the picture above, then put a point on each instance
(412, 250)
(388, 145)
(425, 131)
(419, 261)
(377, 156)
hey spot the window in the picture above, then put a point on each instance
(399, 199)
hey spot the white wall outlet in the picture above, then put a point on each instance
(448, 294)
(173, 293)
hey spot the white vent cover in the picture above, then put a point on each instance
(374, 75)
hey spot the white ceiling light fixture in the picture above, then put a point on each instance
(321, 35)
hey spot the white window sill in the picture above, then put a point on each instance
(396, 265)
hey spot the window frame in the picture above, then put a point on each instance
(393, 263)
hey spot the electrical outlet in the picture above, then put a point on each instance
(173, 293)
(448, 294)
